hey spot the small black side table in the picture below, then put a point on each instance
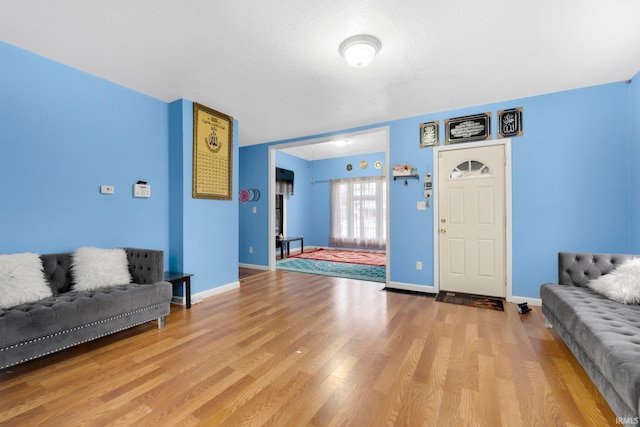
(177, 277)
(286, 241)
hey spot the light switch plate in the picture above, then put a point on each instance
(421, 206)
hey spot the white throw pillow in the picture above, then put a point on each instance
(95, 268)
(22, 279)
(622, 284)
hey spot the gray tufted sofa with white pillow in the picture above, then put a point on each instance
(71, 317)
(604, 335)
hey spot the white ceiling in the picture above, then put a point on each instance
(274, 65)
(373, 141)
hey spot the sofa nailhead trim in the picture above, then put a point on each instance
(75, 329)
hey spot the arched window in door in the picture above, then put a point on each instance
(470, 169)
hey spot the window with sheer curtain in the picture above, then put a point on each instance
(358, 213)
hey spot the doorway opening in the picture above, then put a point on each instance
(321, 150)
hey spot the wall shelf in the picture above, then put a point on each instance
(406, 177)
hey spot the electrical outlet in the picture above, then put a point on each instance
(418, 265)
(250, 249)
(255, 209)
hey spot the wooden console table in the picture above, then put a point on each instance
(285, 241)
(177, 277)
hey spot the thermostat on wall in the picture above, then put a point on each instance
(141, 190)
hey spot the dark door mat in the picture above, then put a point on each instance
(408, 292)
(470, 300)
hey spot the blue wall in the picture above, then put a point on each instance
(571, 183)
(254, 227)
(63, 133)
(320, 202)
(203, 232)
(297, 214)
(634, 142)
(308, 209)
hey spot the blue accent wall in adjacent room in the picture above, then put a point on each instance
(308, 209)
(320, 190)
(63, 134)
(297, 213)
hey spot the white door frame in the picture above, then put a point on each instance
(508, 202)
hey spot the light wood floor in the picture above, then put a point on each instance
(244, 273)
(290, 349)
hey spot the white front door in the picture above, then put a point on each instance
(471, 219)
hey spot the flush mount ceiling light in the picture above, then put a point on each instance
(359, 50)
(340, 142)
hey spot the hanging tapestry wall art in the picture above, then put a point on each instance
(212, 153)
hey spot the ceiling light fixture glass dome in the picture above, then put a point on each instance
(340, 142)
(359, 50)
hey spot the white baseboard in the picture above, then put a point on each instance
(411, 287)
(196, 298)
(431, 289)
(254, 266)
(337, 248)
(529, 301)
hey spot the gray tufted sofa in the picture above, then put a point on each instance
(603, 335)
(32, 330)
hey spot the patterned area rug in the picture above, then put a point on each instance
(351, 257)
(470, 300)
(371, 273)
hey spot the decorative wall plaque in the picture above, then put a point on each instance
(468, 128)
(212, 153)
(429, 134)
(510, 123)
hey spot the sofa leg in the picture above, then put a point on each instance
(161, 322)
(547, 324)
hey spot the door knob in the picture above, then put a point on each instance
(443, 230)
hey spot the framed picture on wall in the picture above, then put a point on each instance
(476, 127)
(429, 134)
(510, 123)
(212, 153)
